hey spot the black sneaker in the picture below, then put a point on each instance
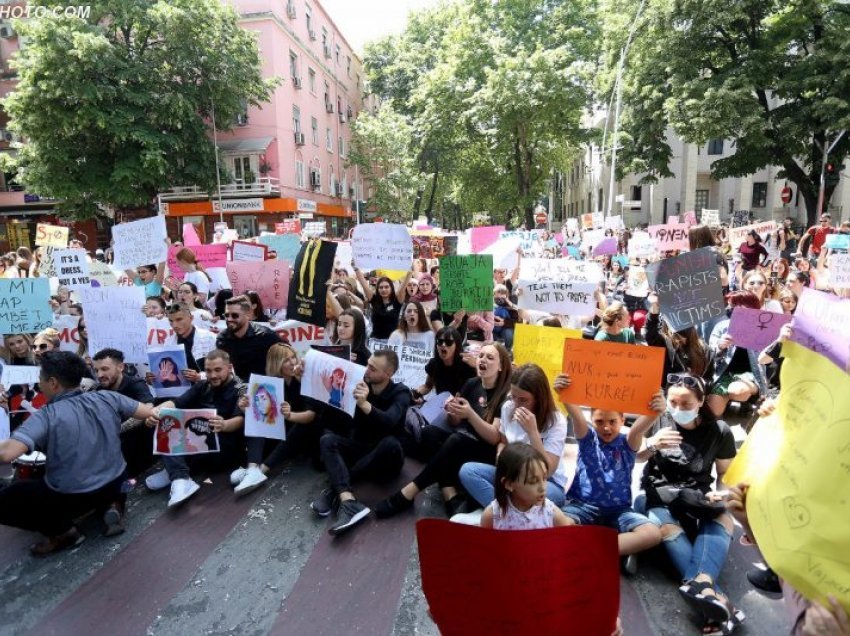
(457, 505)
(324, 504)
(765, 580)
(113, 518)
(350, 513)
(393, 505)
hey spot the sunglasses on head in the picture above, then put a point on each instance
(689, 381)
(445, 341)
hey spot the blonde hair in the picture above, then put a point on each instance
(613, 313)
(278, 352)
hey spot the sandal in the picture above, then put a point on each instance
(712, 628)
(702, 598)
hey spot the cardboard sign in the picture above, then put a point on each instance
(46, 265)
(185, 432)
(245, 252)
(263, 417)
(614, 222)
(591, 238)
(101, 275)
(190, 235)
(69, 334)
(673, 236)
(796, 465)
(740, 218)
(285, 246)
(139, 243)
(114, 319)
(466, 283)
(289, 226)
(504, 253)
(838, 241)
(711, 218)
(642, 245)
(559, 269)
(159, 332)
(637, 284)
(381, 246)
(820, 324)
(562, 580)
(610, 375)
(839, 271)
(544, 346)
(483, 237)
(72, 268)
(688, 288)
(331, 381)
(756, 329)
(307, 290)
(51, 235)
(270, 279)
(300, 335)
(209, 256)
(24, 305)
(13, 375)
(529, 241)
(558, 297)
(738, 235)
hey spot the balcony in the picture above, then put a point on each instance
(238, 188)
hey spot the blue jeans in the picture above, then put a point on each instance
(479, 479)
(706, 555)
(621, 518)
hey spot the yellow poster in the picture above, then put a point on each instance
(544, 346)
(798, 466)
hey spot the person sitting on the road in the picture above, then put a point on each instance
(372, 450)
(246, 342)
(696, 530)
(196, 342)
(79, 434)
(220, 391)
(601, 492)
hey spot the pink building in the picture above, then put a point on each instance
(287, 158)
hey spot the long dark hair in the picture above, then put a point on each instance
(260, 311)
(454, 334)
(514, 464)
(695, 348)
(377, 302)
(530, 377)
(358, 340)
(503, 382)
(422, 323)
(700, 392)
(194, 288)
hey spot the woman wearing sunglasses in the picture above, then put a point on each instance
(758, 283)
(695, 527)
(446, 371)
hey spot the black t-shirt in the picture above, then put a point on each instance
(740, 362)
(361, 355)
(297, 402)
(203, 395)
(384, 318)
(135, 388)
(448, 378)
(690, 465)
(479, 398)
(446, 319)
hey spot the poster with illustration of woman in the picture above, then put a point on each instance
(264, 417)
(331, 380)
(167, 365)
(185, 432)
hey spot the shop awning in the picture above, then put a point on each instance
(244, 146)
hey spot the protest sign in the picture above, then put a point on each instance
(343, 258)
(794, 461)
(463, 583)
(614, 222)
(559, 269)
(343, 352)
(673, 236)
(209, 256)
(688, 288)
(46, 265)
(544, 346)
(300, 335)
(738, 235)
(690, 217)
(69, 335)
(313, 229)
(288, 226)
(331, 380)
(5, 425)
(185, 432)
(820, 324)
(482, 237)
(139, 243)
(190, 235)
(610, 375)
(159, 331)
(606, 246)
(72, 268)
(24, 305)
(114, 319)
(673, 219)
(167, 365)
(308, 289)
(587, 221)
(246, 252)
(504, 253)
(51, 235)
(381, 246)
(637, 284)
(558, 297)
(598, 219)
(739, 218)
(838, 241)
(411, 366)
(529, 241)
(466, 283)
(572, 224)
(285, 246)
(263, 417)
(756, 329)
(591, 238)
(101, 275)
(711, 218)
(19, 374)
(642, 245)
(270, 279)
(839, 271)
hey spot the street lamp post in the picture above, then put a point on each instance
(217, 169)
(827, 148)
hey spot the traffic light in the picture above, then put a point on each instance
(832, 174)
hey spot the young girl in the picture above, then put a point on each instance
(614, 327)
(194, 271)
(351, 330)
(521, 502)
(413, 328)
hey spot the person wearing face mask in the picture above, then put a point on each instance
(696, 530)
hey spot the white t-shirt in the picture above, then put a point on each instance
(554, 438)
(424, 340)
(200, 281)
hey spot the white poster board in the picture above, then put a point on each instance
(139, 243)
(381, 246)
(114, 319)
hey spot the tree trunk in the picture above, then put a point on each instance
(430, 209)
(418, 203)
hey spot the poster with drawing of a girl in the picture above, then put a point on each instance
(331, 380)
(334, 382)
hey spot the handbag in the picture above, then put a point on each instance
(684, 502)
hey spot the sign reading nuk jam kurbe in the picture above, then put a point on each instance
(307, 289)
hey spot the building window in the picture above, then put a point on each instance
(637, 191)
(296, 119)
(308, 16)
(293, 64)
(299, 174)
(760, 194)
(715, 147)
(701, 200)
(329, 139)
(348, 65)
(341, 146)
(324, 38)
(331, 184)
(311, 78)
(315, 124)
(599, 201)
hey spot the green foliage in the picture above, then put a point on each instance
(117, 108)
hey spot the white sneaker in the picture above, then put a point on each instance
(468, 518)
(237, 476)
(181, 490)
(254, 478)
(158, 481)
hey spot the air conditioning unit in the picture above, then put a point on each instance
(296, 82)
(7, 135)
(329, 107)
(315, 178)
(242, 119)
(312, 34)
(290, 10)
(299, 139)
(6, 31)
(327, 51)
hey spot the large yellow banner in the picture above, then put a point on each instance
(798, 465)
(544, 346)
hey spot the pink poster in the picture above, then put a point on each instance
(190, 235)
(208, 256)
(673, 236)
(483, 237)
(270, 279)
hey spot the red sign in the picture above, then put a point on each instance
(786, 194)
(290, 226)
(540, 218)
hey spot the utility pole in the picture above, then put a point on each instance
(826, 150)
(217, 170)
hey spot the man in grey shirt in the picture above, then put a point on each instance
(79, 434)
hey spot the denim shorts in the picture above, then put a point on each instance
(623, 518)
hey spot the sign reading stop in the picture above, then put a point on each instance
(786, 194)
(541, 218)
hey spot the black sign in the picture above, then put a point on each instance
(307, 288)
(688, 287)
